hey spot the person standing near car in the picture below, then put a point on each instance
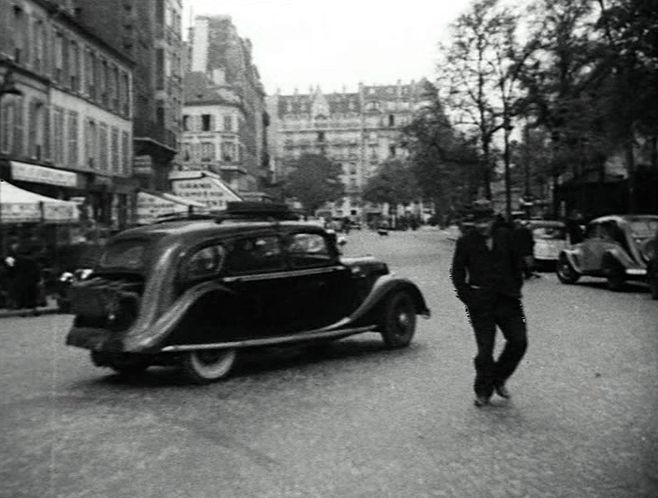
(487, 275)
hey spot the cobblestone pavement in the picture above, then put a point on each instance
(354, 420)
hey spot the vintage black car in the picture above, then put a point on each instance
(616, 247)
(194, 292)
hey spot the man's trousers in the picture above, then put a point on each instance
(486, 311)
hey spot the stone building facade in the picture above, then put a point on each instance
(150, 33)
(69, 132)
(217, 50)
(213, 118)
(359, 130)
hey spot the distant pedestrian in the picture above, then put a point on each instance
(486, 273)
(27, 277)
(525, 243)
(574, 227)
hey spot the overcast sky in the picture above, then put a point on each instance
(336, 43)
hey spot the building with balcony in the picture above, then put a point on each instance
(359, 130)
(69, 132)
(150, 33)
(217, 50)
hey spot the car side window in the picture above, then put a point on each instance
(307, 250)
(205, 262)
(593, 231)
(254, 254)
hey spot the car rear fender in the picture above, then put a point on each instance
(149, 338)
(384, 287)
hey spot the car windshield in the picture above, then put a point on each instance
(549, 232)
(125, 254)
(644, 229)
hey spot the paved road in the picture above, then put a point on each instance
(356, 420)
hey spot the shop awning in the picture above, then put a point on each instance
(22, 206)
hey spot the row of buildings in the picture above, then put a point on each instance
(104, 103)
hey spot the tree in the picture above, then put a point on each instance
(393, 184)
(479, 72)
(443, 162)
(313, 180)
(562, 79)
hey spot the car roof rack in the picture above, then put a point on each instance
(184, 217)
(256, 211)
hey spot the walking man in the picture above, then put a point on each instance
(486, 272)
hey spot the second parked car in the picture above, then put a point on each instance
(616, 247)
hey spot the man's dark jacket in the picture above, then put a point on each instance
(478, 269)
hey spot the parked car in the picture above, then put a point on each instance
(550, 239)
(194, 293)
(616, 247)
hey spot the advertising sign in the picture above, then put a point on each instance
(207, 190)
(150, 207)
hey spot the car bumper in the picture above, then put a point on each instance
(95, 339)
(636, 272)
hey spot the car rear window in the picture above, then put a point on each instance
(124, 254)
(644, 229)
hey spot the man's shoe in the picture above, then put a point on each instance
(502, 391)
(481, 401)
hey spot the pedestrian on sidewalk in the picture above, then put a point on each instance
(486, 272)
(525, 242)
(27, 276)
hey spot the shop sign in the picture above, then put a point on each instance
(150, 207)
(208, 191)
(142, 165)
(40, 174)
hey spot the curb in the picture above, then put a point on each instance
(48, 310)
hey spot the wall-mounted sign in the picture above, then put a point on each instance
(143, 165)
(40, 174)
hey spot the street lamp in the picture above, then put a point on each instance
(8, 87)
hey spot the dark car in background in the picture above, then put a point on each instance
(193, 293)
(616, 247)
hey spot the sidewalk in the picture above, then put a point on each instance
(50, 308)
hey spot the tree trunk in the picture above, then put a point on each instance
(630, 168)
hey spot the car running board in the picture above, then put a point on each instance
(270, 341)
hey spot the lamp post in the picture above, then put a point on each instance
(507, 128)
(8, 87)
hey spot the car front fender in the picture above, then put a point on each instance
(572, 257)
(384, 287)
(149, 338)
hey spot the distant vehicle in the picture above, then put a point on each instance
(616, 247)
(550, 239)
(193, 293)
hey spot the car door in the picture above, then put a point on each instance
(254, 270)
(589, 248)
(604, 238)
(322, 288)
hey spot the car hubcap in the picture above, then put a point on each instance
(402, 321)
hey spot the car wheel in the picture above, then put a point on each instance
(122, 364)
(653, 287)
(203, 367)
(565, 272)
(399, 321)
(615, 276)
